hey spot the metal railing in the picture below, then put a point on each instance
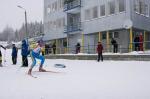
(72, 28)
(72, 5)
(91, 49)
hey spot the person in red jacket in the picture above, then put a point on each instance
(141, 42)
(100, 51)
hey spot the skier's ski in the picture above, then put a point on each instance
(32, 76)
(47, 71)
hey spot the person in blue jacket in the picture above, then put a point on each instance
(14, 54)
(24, 52)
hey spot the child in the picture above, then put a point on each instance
(14, 54)
(100, 51)
(35, 54)
(1, 55)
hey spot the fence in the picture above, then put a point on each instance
(91, 49)
(72, 5)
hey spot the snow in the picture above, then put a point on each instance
(79, 80)
(147, 52)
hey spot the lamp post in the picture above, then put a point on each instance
(25, 12)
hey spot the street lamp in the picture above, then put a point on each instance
(25, 19)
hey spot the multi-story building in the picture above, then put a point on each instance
(90, 21)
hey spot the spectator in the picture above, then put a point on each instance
(141, 42)
(50, 48)
(14, 54)
(78, 46)
(1, 55)
(115, 45)
(136, 43)
(100, 51)
(54, 48)
(24, 52)
(46, 49)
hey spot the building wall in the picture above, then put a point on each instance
(140, 21)
(120, 21)
(54, 20)
(103, 23)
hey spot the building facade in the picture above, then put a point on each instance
(67, 22)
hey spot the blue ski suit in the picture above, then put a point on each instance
(35, 54)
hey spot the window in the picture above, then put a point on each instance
(49, 9)
(136, 7)
(116, 34)
(87, 14)
(141, 7)
(147, 10)
(55, 6)
(122, 5)
(104, 35)
(95, 12)
(102, 10)
(61, 4)
(58, 4)
(111, 7)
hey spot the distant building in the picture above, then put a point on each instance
(67, 22)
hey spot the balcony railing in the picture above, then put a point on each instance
(73, 28)
(72, 5)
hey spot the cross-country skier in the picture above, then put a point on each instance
(35, 54)
(1, 55)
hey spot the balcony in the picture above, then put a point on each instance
(73, 28)
(72, 6)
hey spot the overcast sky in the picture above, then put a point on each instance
(13, 16)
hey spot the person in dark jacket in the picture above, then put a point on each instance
(1, 54)
(115, 45)
(78, 46)
(141, 42)
(136, 43)
(14, 54)
(100, 51)
(24, 52)
(54, 48)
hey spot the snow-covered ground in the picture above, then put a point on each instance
(79, 80)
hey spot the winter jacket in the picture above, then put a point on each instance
(24, 49)
(14, 51)
(99, 48)
(136, 40)
(114, 42)
(54, 46)
(0, 50)
(141, 39)
(0, 54)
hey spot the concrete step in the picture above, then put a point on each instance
(106, 57)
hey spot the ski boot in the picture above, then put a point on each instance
(29, 72)
(41, 69)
